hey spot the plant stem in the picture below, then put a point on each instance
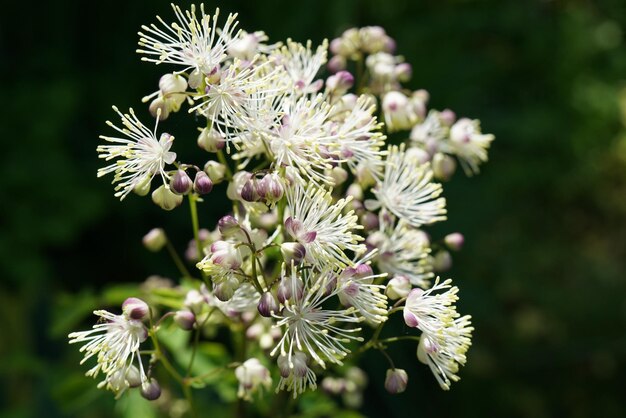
(179, 263)
(222, 159)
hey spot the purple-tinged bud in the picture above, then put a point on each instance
(369, 221)
(195, 79)
(422, 95)
(403, 71)
(296, 364)
(340, 83)
(224, 291)
(214, 76)
(396, 381)
(447, 116)
(271, 188)
(158, 108)
(202, 184)
(337, 63)
(226, 255)
(398, 287)
(267, 305)
(355, 190)
(442, 261)
(210, 140)
(181, 183)
(228, 226)
(151, 390)
(236, 185)
(135, 308)
(454, 241)
(155, 240)
(390, 45)
(249, 191)
(293, 251)
(286, 289)
(215, 171)
(363, 270)
(443, 166)
(185, 319)
(133, 377)
(420, 155)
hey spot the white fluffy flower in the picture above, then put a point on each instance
(468, 143)
(407, 190)
(115, 340)
(295, 374)
(302, 64)
(139, 158)
(356, 288)
(321, 226)
(191, 42)
(431, 310)
(444, 354)
(318, 332)
(252, 376)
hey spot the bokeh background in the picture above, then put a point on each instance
(543, 271)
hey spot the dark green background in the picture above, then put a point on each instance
(544, 269)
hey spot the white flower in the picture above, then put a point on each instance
(247, 45)
(403, 251)
(295, 374)
(429, 311)
(321, 226)
(468, 143)
(301, 64)
(310, 328)
(252, 376)
(190, 42)
(444, 354)
(139, 158)
(407, 191)
(115, 340)
(356, 288)
(399, 111)
(430, 132)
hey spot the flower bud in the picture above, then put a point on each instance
(195, 79)
(396, 381)
(271, 188)
(142, 188)
(356, 191)
(403, 71)
(185, 319)
(151, 390)
(286, 288)
(267, 305)
(442, 261)
(399, 115)
(165, 198)
(155, 240)
(420, 155)
(444, 166)
(202, 184)
(158, 108)
(339, 175)
(235, 187)
(454, 241)
(195, 301)
(228, 226)
(251, 375)
(135, 308)
(337, 63)
(249, 192)
(215, 171)
(340, 83)
(210, 140)
(133, 377)
(333, 385)
(447, 117)
(296, 364)
(180, 183)
(226, 255)
(398, 287)
(225, 290)
(293, 251)
(172, 83)
(369, 221)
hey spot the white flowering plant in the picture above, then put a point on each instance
(331, 184)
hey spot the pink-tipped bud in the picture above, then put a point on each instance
(396, 381)
(340, 83)
(454, 241)
(135, 308)
(271, 188)
(447, 116)
(249, 192)
(443, 166)
(267, 305)
(151, 390)
(228, 226)
(202, 184)
(286, 289)
(185, 319)
(180, 183)
(155, 240)
(337, 63)
(403, 72)
(293, 251)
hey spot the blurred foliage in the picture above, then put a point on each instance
(543, 270)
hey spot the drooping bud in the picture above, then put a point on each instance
(296, 364)
(339, 175)
(165, 198)
(369, 221)
(228, 226)
(172, 83)
(267, 305)
(235, 187)
(270, 188)
(224, 291)
(293, 251)
(151, 390)
(355, 190)
(158, 108)
(444, 166)
(155, 240)
(419, 155)
(185, 319)
(180, 183)
(251, 375)
(142, 188)
(447, 117)
(135, 308)
(396, 381)
(442, 261)
(202, 184)
(195, 79)
(210, 140)
(133, 377)
(226, 255)
(215, 171)
(398, 287)
(249, 192)
(454, 241)
(287, 286)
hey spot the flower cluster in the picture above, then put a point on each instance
(328, 212)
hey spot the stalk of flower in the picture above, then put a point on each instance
(407, 191)
(321, 226)
(309, 327)
(139, 158)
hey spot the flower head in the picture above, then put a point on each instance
(429, 310)
(468, 143)
(252, 376)
(295, 374)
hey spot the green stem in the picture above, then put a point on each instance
(196, 341)
(222, 159)
(177, 260)
(401, 338)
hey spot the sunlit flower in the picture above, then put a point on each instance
(139, 158)
(431, 310)
(321, 226)
(309, 327)
(191, 42)
(356, 288)
(115, 342)
(407, 191)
